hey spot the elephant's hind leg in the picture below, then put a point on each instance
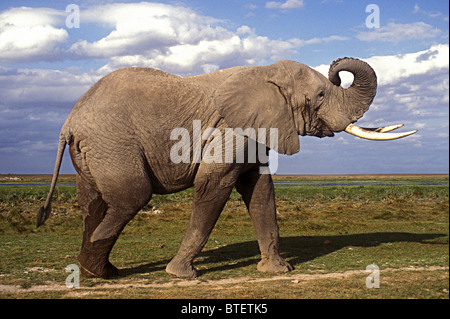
(106, 214)
(93, 258)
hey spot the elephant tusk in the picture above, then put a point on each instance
(377, 134)
(383, 129)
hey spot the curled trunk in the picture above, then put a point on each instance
(358, 97)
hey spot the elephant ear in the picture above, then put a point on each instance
(253, 98)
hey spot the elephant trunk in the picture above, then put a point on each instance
(357, 98)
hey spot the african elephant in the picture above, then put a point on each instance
(120, 135)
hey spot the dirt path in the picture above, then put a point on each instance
(126, 284)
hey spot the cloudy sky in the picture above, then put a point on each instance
(50, 55)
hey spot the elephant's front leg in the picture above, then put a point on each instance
(211, 191)
(258, 194)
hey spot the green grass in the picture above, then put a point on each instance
(326, 232)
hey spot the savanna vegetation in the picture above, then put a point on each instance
(331, 228)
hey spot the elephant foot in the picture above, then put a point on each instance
(106, 272)
(94, 268)
(94, 260)
(181, 269)
(277, 264)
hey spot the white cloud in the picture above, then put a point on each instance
(173, 38)
(289, 4)
(391, 69)
(431, 14)
(140, 27)
(28, 17)
(20, 86)
(301, 42)
(178, 40)
(30, 33)
(397, 32)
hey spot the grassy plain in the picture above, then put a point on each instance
(331, 228)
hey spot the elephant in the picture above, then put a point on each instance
(121, 130)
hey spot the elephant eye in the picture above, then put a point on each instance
(321, 94)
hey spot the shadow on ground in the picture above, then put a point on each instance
(296, 250)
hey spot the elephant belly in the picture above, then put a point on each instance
(167, 177)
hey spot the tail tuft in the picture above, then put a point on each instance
(42, 215)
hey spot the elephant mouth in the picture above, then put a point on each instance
(320, 129)
(377, 134)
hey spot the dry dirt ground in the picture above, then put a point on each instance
(102, 289)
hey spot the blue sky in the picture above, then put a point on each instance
(46, 66)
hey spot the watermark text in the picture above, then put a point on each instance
(73, 17)
(373, 280)
(212, 145)
(73, 280)
(373, 19)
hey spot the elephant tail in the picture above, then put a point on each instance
(44, 211)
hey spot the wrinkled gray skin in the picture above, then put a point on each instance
(119, 137)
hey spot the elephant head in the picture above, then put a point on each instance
(298, 100)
